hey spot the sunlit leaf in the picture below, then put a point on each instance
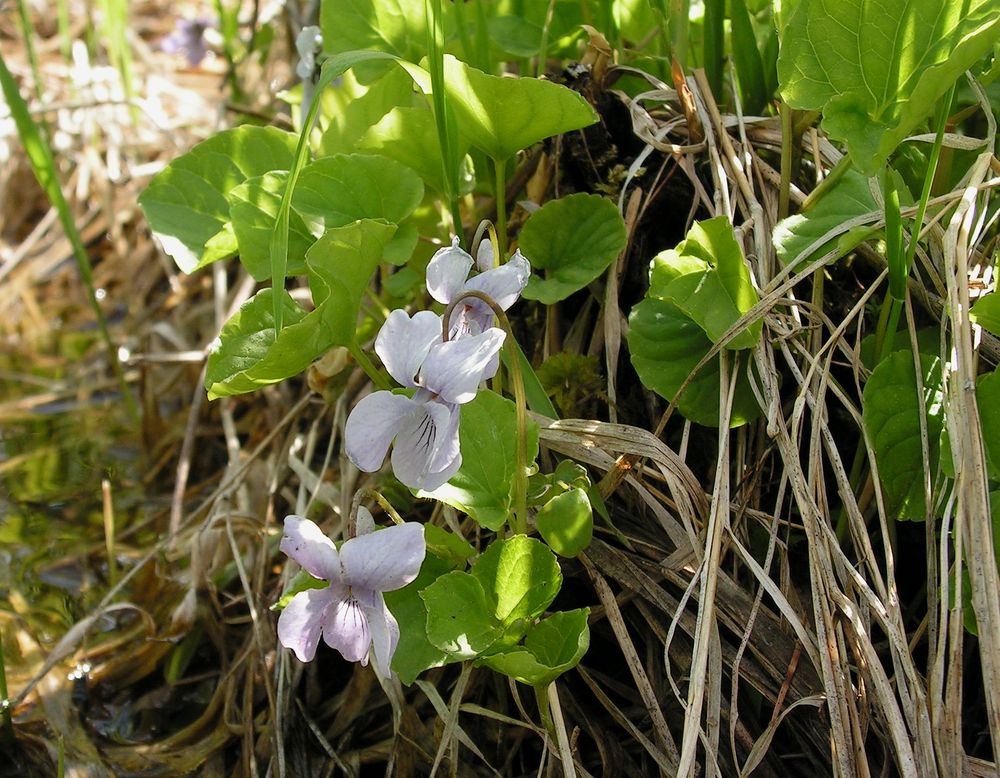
(460, 616)
(253, 206)
(185, 203)
(710, 281)
(796, 237)
(414, 652)
(351, 109)
(501, 116)
(570, 242)
(878, 69)
(566, 522)
(520, 576)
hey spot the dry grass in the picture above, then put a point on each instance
(734, 632)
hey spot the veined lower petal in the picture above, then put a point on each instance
(384, 631)
(372, 425)
(304, 542)
(454, 370)
(384, 560)
(345, 628)
(426, 445)
(403, 343)
(447, 271)
(301, 622)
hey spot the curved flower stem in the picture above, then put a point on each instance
(377, 377)
(352, 529)
(500, 168)
(484, 226)
(519, 520)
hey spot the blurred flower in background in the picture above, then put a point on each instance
(188, 38)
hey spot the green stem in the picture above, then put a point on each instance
(542, 700)
(446, 130)
(544, 45)
(519, 519)
(482, 38)
(29, 45)
(714, 44)
(8, 726)
(376, 375)
(500, 194)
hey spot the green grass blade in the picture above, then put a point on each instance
(747, 58)
(43, 164)
(29, 44)
(714, 44)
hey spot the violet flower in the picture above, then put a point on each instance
(424, 427)
(447, 279)
(350, 613)
(188, 38)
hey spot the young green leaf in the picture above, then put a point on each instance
(520, 577)
(185, 203)
(552, 646)
(573, 239)
(877, 70)
(460, 616)
(800, 238)
(484, 485)
(566, 522)
(889, 413)
(719, 291)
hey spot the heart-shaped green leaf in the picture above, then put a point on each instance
(340, 265)
(409, 135)
(185, 203)
(718, 290)
(889, 413)
(566, 522)
(520, 576)
(351, 109)
(552, 646)
(483, 487)
(877, 69)
(665, 346)
(796, 238)
(334, 191)
(573, 240)
(501, 116)
(460, 616)
(253, 206)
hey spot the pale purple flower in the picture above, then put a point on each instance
(425, 427)
(308, 44)
(188, 38)
(448, 278)
(350, 613)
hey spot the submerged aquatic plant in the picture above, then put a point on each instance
(445, 374)
(350, 614)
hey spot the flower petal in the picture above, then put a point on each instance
(301, 622)
(384, 560)
(426, 444)
(385, 634)
(345, 628)
(453, 370)
(436, 478)
(402, 343)
(304, 542)
(372, 425)
(505, 283)
(447, 271)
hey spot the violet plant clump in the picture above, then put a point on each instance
(445, 373)
(350, 614)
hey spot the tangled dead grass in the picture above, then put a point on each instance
(733, 631)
